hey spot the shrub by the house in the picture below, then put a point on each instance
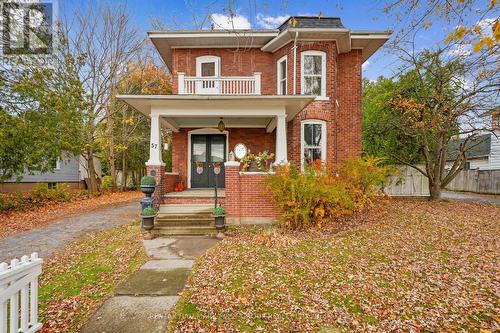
(319, 194)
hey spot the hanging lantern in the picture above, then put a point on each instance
(221, 126)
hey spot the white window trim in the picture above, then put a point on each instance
(278, 74)
(323, 72)
(323, 139)
(204, 59)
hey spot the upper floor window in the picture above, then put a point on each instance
(282, 75)
(313, 141)
(313, 69)
(208, 66)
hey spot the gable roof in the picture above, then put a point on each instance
(480, 147)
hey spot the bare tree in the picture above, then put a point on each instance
(104, 42)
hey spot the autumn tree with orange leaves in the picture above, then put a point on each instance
(129, 135)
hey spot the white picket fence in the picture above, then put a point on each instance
(19, 295)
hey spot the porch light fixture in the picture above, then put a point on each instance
(221, 126)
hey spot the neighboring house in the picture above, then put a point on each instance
(484, 153)
(294, 91)
(71, 170)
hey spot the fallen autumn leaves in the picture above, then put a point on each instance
(13, 222)
(76, 280)
(410, 266)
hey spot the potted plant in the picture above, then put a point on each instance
(148, 184)
(220, 218)
(148, 215)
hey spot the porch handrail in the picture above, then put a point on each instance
(221, 85)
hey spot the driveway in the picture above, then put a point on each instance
(473, 197)
(47, 240)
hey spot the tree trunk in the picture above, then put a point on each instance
(435, 191)
(112, 159)
(124, 172)
(92, 180)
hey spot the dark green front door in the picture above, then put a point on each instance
(205, 150)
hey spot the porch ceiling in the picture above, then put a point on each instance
(205, 110)
(230, 122)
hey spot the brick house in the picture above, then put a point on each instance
(294, 91)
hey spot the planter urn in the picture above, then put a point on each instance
(148, 222)
(220, 222)
(148, 186)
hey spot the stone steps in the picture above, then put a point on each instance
(184, 222)
(185, 230)
(184, 219)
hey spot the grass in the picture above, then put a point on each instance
(409, 265)
(79, 278)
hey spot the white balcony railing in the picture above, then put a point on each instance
(223, 85)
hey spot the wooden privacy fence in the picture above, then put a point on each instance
(408, 182)
(479, 181)
(19, 295)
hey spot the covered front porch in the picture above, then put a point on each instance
(198, 141)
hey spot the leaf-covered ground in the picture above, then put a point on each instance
(79, 278)
(15, 221)
(405, 266)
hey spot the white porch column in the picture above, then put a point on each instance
(155, 142)
(281, 151)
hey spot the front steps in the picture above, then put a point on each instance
(185, 219)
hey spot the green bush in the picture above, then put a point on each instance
(148, 181)
(107, 183)
(318, 195)
(218, 211)
(148, 211)
(42, 193)
(6, 203)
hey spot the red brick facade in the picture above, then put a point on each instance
(341, 111)
(247, 200)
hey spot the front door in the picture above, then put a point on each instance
(205, 151)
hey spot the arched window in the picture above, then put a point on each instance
(313, 141)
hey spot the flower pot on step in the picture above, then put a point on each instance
(148, 222)
(220, 222)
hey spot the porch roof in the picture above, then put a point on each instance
(205, 110)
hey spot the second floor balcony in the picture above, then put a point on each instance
(219, 85)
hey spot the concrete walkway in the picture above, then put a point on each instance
(48, 239)
(143, 301)
(473, 197)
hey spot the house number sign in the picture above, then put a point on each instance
(240, 151)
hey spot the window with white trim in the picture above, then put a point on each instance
(313, 69)
(282, 75)
(313, 141)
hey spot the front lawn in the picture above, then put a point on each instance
(78, 279)
(408, 266)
